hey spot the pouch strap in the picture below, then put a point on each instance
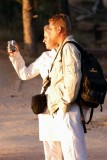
(48, 84)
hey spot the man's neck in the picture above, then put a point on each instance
(61, 38)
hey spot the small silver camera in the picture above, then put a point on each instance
(12, 45)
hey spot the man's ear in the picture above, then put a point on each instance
(59, 29)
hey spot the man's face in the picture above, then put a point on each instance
(53, 32)
(50, 44)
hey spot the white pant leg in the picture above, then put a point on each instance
(52, 150)
(71, 135)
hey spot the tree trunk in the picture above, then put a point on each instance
(30, 46)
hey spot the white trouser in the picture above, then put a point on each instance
(52, 150)
(71, 138)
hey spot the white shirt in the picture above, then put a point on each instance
(40, 66)
(65, 78)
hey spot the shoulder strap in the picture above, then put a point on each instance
(56, 56)
(82, 51)
(47, 82)
(78, 47)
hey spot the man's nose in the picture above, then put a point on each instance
(44, 40)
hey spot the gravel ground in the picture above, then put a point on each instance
(19, 126)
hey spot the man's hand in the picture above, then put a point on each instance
(12, 54)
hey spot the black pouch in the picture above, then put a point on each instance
(39, 103)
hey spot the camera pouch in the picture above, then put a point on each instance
(39, 103)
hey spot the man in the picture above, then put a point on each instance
(65, 83)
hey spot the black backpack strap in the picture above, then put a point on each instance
(78, 47)
(82, 119)
(91, 115)
(83, 54)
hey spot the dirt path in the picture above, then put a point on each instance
(19, 126)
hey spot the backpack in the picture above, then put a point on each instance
(93, 86)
